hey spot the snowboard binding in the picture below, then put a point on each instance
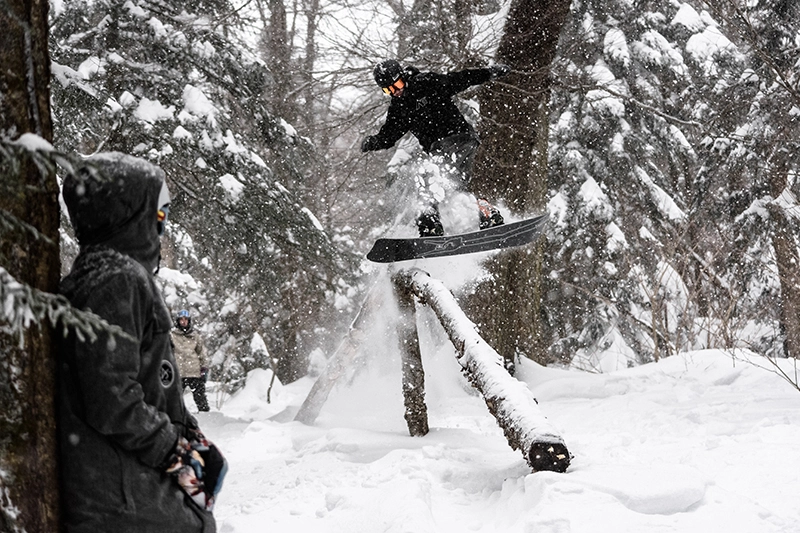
(429, 222)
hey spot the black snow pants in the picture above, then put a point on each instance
(198, 387)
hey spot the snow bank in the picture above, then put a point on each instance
(702, 441)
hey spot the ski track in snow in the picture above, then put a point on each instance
(694, 443)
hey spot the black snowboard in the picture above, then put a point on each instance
(504, 236)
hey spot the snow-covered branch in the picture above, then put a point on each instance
(24, 307)
(578, 86)
(741, 20)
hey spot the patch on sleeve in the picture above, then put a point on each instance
(167, 374)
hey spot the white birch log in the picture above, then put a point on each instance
(509, 400)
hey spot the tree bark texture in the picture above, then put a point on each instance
(509, 400)
(278, 57)
(786, 256)
(512, 162)
(313, 14)
(511, 168)
(787, 260)
(28, 473)
(462, 13)
(416, 412)
(508, 305)
(408, 20)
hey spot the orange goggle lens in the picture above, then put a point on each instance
(396, 86)
(161, 219)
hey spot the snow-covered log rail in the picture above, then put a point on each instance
(509, 400)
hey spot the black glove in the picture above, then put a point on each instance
(369, 144)
(499, 70)
(204, 373)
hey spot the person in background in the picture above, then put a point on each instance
(422, 103)
(191, 356)
(131, 456)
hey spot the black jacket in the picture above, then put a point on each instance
(426, 109)
(120, 401)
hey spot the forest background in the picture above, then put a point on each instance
(660, 137)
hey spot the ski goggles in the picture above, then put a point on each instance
(398, 85)
(162, 219)
(163, 210)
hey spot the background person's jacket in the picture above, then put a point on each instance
(190, 352)
(426, 108)
(120, 402)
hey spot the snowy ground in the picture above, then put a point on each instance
(698, 442)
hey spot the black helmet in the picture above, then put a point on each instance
(387, 72)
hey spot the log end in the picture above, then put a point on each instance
(551, 456)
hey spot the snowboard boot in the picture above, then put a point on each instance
(429, 223)
(488, 214)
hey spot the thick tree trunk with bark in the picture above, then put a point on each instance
(509, 400)
(416, 412)
(28, 474)
(278, 58)
(512, 162)
(787, 260)
(511, 168)
(462, 13)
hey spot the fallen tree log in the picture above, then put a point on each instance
(509, 400)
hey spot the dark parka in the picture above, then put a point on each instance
(120, 402)
(426, 108)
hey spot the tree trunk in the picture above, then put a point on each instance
(28, 474)
(416, 413)
(786, 256)
(511, 168)
(509, 400)
(462, 13)
(312, 16)
(407, 24)
(278, 59)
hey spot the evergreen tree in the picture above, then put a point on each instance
(755, 156)
(171, 82)
(655, 169)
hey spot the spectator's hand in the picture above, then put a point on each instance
(186, 466)
(499, 70)
(215, 466)
(204, 373)
(369, 144)
(199, 468)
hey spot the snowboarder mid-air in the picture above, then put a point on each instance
(422, 103)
